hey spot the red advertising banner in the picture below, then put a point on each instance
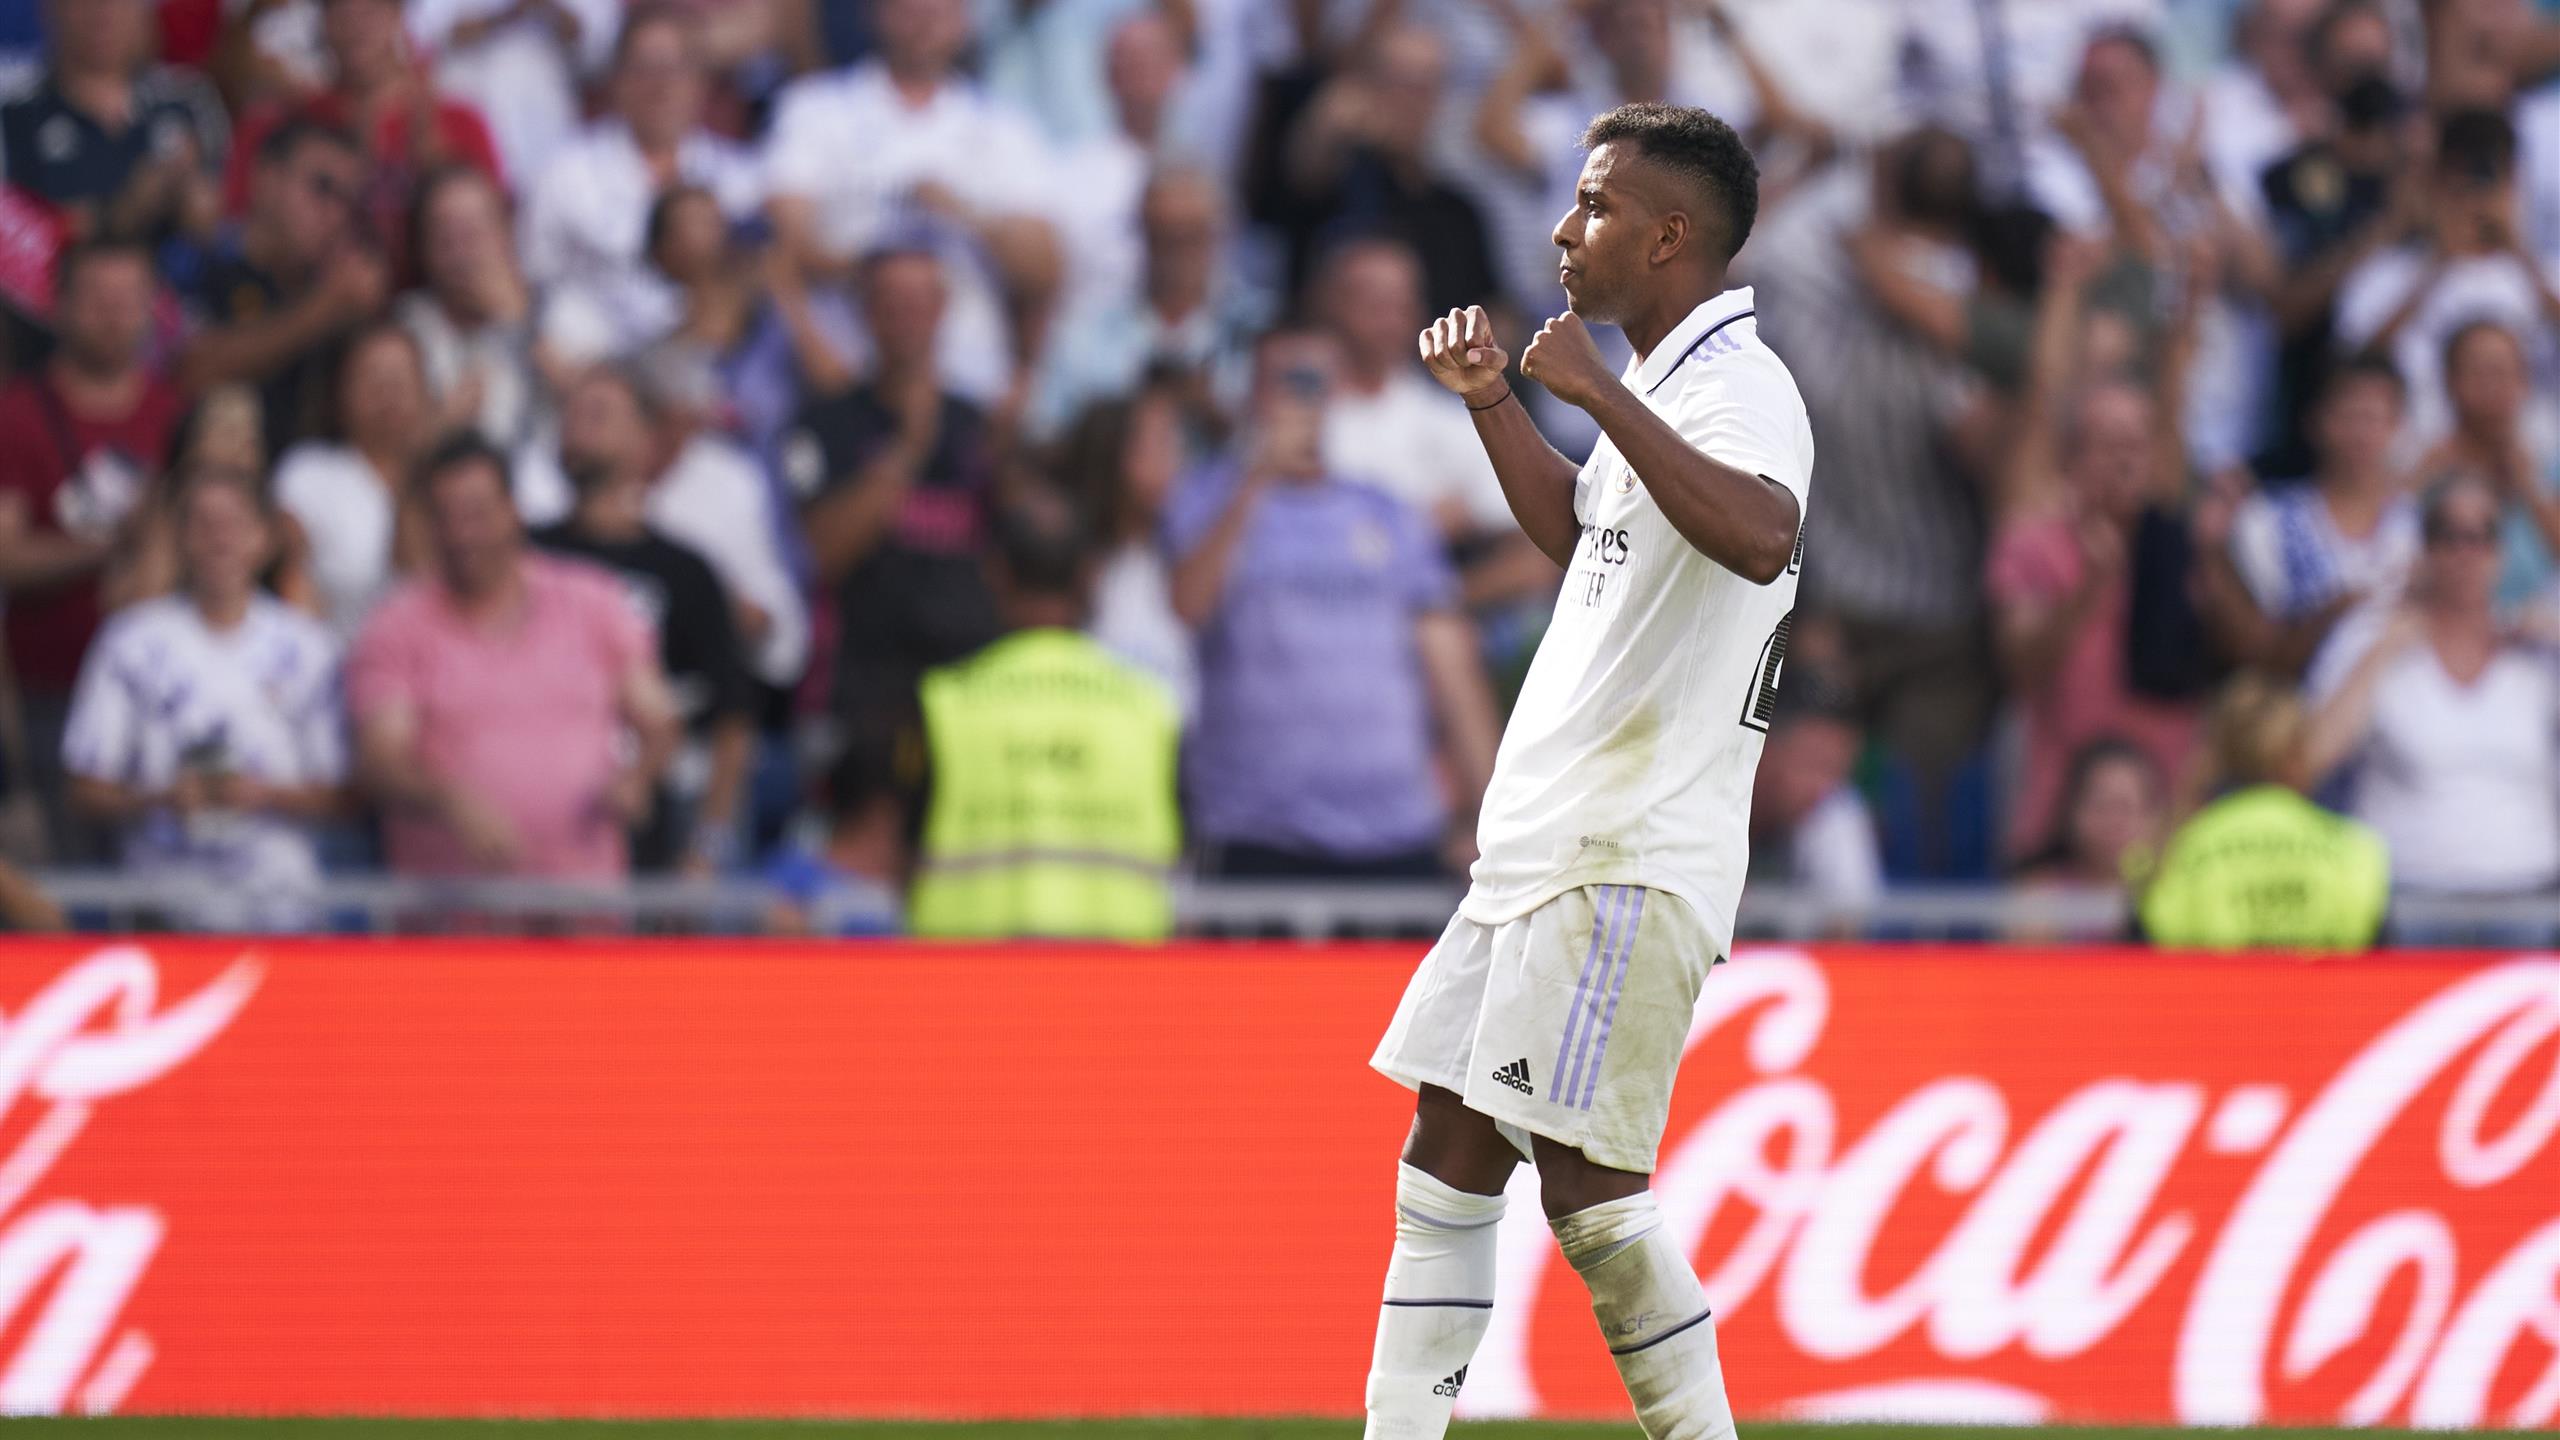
(634, 1179)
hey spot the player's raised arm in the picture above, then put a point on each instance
(1462, 355)
(1742, 521)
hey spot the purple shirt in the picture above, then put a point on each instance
(1315, 727)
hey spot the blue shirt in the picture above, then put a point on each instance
(1314, 733)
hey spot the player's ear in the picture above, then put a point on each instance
(1672, 234)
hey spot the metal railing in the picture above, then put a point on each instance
(384, 905)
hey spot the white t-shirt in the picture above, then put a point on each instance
(519, 77)
(586, 221)
(346, 512)
(2479, 287)
(2537, 118)
(1413, 440)
(160, 690)
(2294, 559)
(715, 499)
(850, 143)
(1629, 758)
(1133, 618)
(2461, 781)
(1833, 853)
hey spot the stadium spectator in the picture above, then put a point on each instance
(586, 221)
(772, 337)
(2312, 552)
(517, 63)
(850, 879)
(1103, 179)
(1051, 807)
(473, 316)
(2261, 865)
(207, 728)
(935, 149)
(1810, 828)
(2472, 264)
(349, 494)
(2265, 98)
(1345, 731)
(119, 146)
(894, 477)
(1120, 462)
(274, 303)
(1997, 86)
(2061, 596)
(712, 496)
(1897, 523)
(2108, 824)
(379, 93)
(1191, 320)
(1388, 425)
(510, 717)
(2346, 193)
(611, 453)
(2487, 381)
(2452, 722)
(1359, 158)
(81, 441)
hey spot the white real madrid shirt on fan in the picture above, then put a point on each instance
(1629, 758)
(161, 692)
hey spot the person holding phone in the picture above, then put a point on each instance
(1345, 728)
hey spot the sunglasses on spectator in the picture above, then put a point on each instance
(2462, 535)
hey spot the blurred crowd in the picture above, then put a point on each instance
(877, 445)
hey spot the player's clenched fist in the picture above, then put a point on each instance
(1462, 354)
(1564, 359)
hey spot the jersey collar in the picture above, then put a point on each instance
(1687, 336)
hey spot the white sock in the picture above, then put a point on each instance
(1654, 1316)
(1438, 1305)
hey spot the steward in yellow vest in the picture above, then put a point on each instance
(1051, 805)
(2262, 866)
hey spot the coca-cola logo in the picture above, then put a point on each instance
(96, 1031)
(2043, 1234)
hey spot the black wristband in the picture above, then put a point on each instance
(1496, 405)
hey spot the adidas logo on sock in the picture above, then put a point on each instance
(1516, 1075)
(1451, 1386)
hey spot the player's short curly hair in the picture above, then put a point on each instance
(1696, 145)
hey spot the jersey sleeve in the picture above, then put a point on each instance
(99, 736)
(1738, 416)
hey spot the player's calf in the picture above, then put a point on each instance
(1651, 1309)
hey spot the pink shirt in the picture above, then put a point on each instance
(2039, 561)
(524, 714)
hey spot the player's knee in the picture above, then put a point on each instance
(1569, 1182)
(1457, 1146)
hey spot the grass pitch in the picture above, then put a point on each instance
(193, 1429)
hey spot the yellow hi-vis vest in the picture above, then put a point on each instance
(1052, 809)
(2265, 867)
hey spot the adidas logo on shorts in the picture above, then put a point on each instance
(1453, 1384)
(1516, 1075)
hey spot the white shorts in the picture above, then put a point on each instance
(1567, 1022)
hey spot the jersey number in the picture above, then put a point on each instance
(1762, 703)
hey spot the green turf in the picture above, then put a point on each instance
(190, 1429)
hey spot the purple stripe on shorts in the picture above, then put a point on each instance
(1617, 987)
(1586, 1001)
(1601, 900)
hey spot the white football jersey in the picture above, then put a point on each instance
(1629, 758)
